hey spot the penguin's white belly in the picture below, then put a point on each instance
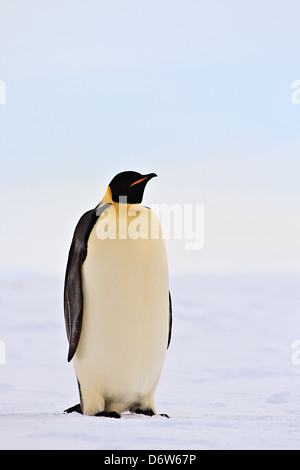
(125, 325)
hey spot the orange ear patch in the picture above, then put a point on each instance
(139, 181)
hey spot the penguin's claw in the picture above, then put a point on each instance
(148, 412)
(145, 411)
(164, 415)
(75, 408)
(108, 414)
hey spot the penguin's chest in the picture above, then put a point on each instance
(125, 317)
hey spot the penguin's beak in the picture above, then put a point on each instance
(146, 177)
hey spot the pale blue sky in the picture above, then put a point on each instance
(197, 91)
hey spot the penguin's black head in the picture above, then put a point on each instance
(129, 185)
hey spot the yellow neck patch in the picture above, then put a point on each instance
(109, 192)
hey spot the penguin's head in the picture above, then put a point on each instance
(129, 185)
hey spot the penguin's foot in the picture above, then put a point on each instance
(145, 411)
(108, 414)
(148, 412)
(75, 408)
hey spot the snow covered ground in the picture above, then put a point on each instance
(229, 381)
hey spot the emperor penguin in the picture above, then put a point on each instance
(117, 302)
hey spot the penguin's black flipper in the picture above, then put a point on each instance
(170, 320)
(73, 296)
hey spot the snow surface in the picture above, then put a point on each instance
(228, 382)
